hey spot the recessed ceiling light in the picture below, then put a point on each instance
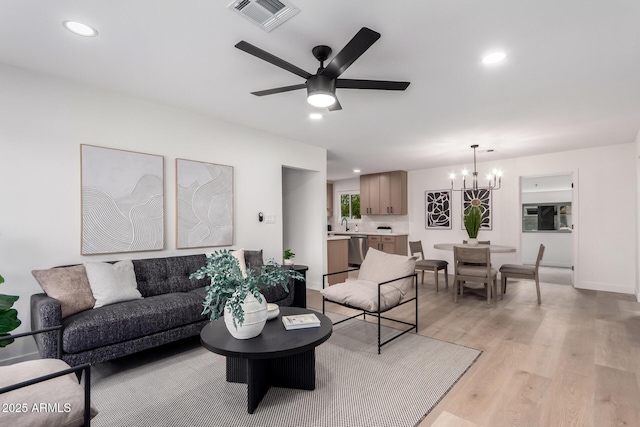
(315, 116)
(80, 29)
(356, 171)
(494, 57)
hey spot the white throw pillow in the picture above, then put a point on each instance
(239, 254)
(379, 266)
(111, 283)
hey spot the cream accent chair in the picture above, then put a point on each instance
(384, 283)
(474, 265)
(434, 265)
(517, 271)
(48, 392)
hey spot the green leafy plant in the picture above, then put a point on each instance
(288, 254)
(8, 316)
(472, 221)
(229, 287)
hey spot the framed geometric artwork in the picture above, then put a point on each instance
(481, 198)
(438, 210)
(122, 201)
(204, 194)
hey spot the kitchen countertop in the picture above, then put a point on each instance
(368, 233)
(338, 238)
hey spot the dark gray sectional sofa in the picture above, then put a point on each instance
(171, 309)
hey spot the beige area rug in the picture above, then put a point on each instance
(183, 384)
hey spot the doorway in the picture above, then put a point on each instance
(303, 221)
(547, 218)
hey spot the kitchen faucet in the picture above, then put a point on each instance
(344, 219)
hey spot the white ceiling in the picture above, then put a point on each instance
(571, 78)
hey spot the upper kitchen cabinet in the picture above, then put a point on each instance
(383, 193)
(370, 194)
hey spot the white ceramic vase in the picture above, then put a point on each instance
(472, 242)
(288, 261)
(255, 317)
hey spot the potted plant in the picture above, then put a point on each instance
(8, 315)
(472, 222)
(288, 257)
(238, 297)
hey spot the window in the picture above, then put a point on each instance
(547, 217)
(350, 205)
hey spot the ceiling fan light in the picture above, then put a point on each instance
(321, 91)
(321, 99)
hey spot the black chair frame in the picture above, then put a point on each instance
(78, 370)
(379, 312)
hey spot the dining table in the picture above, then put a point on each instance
(499, 249)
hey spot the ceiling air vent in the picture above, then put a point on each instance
(267, 14)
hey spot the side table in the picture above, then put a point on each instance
(300, 287)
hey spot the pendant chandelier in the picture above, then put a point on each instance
(494, 178)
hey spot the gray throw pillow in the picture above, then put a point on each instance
(253, 259)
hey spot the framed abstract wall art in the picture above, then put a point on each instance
(204, 195)
(122, 198)
(481, 198)
(438, 210)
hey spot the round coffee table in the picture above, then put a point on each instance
(275, 358)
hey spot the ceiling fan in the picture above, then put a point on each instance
(321, 86)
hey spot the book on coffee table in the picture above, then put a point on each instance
(300, 321)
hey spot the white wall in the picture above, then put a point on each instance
(44, 120)
(604, 212)
(304, 216)
(637, 160)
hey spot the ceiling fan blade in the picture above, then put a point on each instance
(336, 106)
(279, 90)
(352, 51)
(272, 59)
(371, 84)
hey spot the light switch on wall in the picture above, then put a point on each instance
(270, 218)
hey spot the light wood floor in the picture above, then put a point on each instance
(572, 361)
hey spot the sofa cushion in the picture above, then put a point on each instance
(156, 276)
(64, 394)
(111, 283)
(128, 320)
(68, 285)
(379, 267)
(363, 294)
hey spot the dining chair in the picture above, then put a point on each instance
(518, 271)
(434, 265)
(474, 265)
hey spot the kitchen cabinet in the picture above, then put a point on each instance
(369, 194)
(337, 259)
(389, 244)
(329, 198)
(383, 193)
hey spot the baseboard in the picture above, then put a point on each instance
(605, 287)
(546, 264)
